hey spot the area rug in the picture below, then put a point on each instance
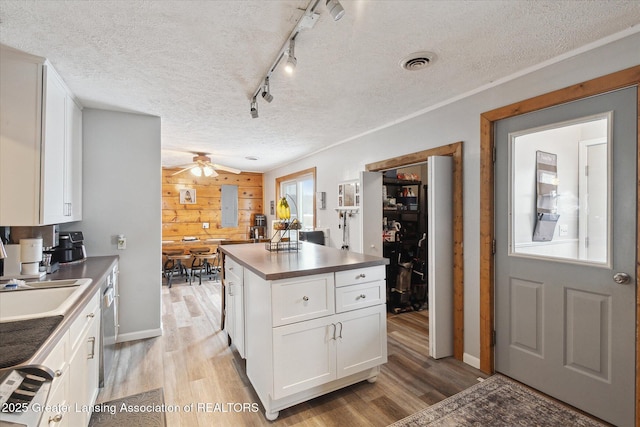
(145, 409)
(497, 401)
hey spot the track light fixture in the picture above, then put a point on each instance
(335, 9)
(266, 90)
(291, 57)
(254, 108)
(306, 21)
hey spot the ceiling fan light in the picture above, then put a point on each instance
(207, 170)
(197, 171)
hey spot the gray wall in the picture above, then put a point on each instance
(122, 195)
(456, 121)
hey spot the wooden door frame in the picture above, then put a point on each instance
(455, 151)
(622, 79)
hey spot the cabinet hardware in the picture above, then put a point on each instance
(305, 298)
(58, 373)
(340, 336)
(334, 331)
(55, 419)
(92, 340)
(361, 276)
(361, 296)
(230, 284)
(91, 315)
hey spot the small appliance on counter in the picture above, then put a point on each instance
(71, 248)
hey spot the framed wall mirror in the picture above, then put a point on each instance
(349, 194)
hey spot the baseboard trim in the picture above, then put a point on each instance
(140, 335)
(471, 360)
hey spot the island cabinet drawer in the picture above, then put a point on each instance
(302, 298)
(360, 275)
(360, 296)
(232, 267)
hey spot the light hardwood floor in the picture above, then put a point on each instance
(194, 365)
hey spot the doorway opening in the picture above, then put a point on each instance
(453, 150)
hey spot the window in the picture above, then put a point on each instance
(561, 191)
(299, 188)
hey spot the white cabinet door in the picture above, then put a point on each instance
(361, 338)
(234, 303)
(93, 360)
(20, 135)
(303, 356)
(73, 162)
(78, 388)
(238, 318)
(53, 150)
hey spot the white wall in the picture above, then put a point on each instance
(122, 195)
(457, 121)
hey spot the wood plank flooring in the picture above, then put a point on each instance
(194, 365)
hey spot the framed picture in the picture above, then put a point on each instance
(187, 196)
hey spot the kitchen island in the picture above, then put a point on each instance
(307, 322)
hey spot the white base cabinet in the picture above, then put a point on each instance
(310, 335)
(75, 386)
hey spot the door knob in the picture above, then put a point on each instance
(621, 278)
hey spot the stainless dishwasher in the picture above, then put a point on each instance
(109, 324)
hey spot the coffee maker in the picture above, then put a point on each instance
(259, 227)
(70, 248)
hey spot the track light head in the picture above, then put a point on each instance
(266, 90)
(254, 108)
(335, 9)
(291, 57)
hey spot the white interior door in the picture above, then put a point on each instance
(440, 255)
(565, 316)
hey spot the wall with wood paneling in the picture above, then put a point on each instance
(186, 220)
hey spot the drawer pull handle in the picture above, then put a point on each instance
(92, 340)
(334, 331)
(58, 373)
(361, 296)
(340, 335)
(361, 276)
(90, 315)
(305, 298)
(55, 419)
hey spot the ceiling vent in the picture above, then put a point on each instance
(418, 61)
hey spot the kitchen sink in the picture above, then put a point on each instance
(40, 299)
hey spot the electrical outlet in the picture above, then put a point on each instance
(205, 225)
(122, 242)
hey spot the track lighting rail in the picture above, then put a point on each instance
(306, 20)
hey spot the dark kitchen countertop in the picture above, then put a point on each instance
(310, 259)
(94, 268)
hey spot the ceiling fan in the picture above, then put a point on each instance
(202, 166)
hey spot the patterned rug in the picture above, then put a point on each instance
(497, 401)
(145, 409)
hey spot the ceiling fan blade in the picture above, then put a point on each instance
(182, 170)
(226, 168)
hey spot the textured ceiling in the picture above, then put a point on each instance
(197, 63)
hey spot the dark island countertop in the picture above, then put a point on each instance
(94, 268)
(310, 259)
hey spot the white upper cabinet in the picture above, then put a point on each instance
(40, 144)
